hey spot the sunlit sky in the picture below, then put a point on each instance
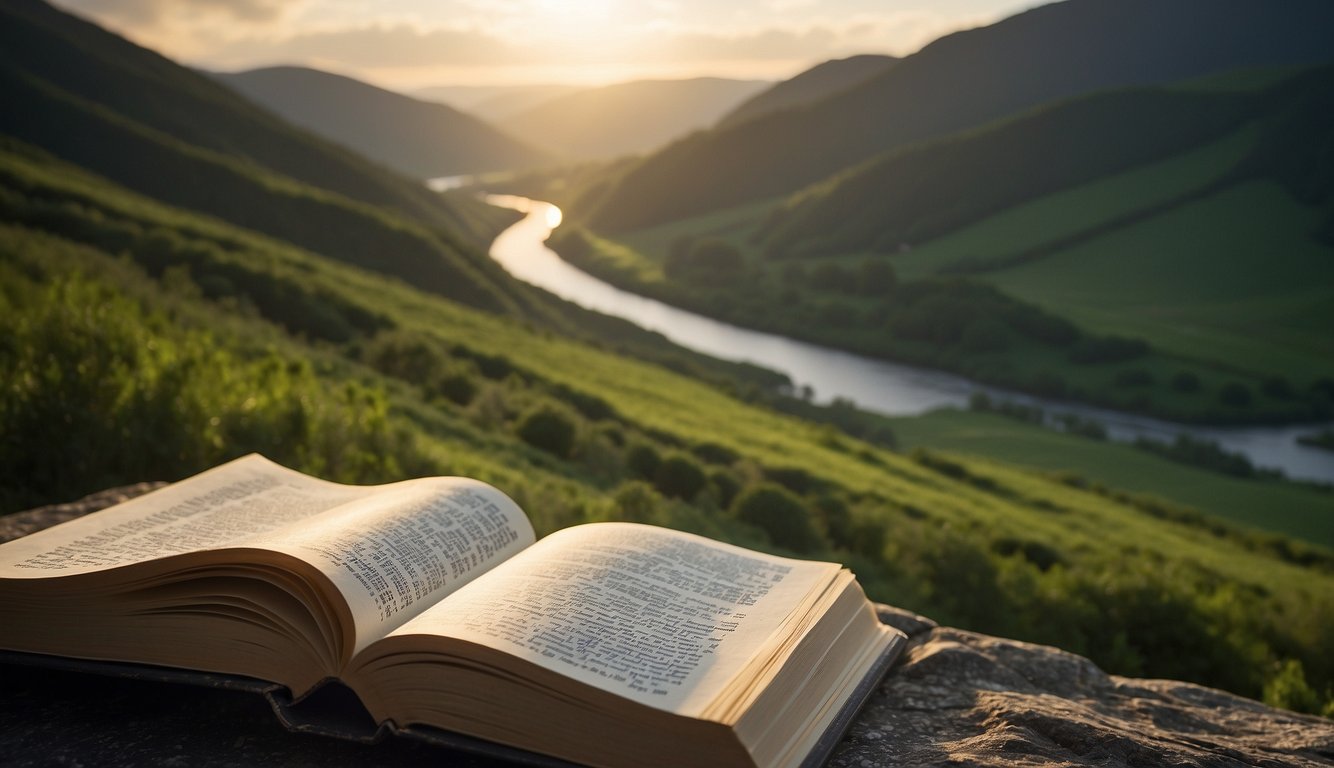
(409, 44)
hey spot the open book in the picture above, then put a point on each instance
(607, 644)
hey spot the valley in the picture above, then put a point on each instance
(186, 277)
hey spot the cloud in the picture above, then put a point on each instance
(511, 40)
(164, 12)
(383, 45)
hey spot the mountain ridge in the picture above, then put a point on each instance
(962, 80)
(811, 85)
(419, 139)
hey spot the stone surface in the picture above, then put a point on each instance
(956, 698)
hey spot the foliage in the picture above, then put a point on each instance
(679, 476)
(550, 427)
(781, 515)
(1205, 454)
(98, 387)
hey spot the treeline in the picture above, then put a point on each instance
(1184, 448)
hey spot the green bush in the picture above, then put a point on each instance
(643, 459)
(550, 427)
(782, 516)
(97, 391)
(1186, 382)
(679, 476)
(636, 502)
(1235, 395)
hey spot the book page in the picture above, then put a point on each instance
(411, 544)
(662, 617)
(218, 508)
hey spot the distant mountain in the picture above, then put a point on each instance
(964, 80)
(629, 117)
(815, 84)
(494, 102)
(417, 138)
(164, 131)
(76, 65)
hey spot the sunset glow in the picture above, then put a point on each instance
(408, 44)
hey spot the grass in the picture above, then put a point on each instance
(1072, 211)
(1234, 277)
(1286, 508)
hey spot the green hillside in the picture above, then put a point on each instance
(923, 191)
(1302, 512)
(1160, 250)
(418, 139)
(197, 341)
(962, 81)
(174, 135)
(63, 56)
(815, 84)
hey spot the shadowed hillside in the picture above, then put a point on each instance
(130, 115)
(965, 80)
(817, 83)
(419, 139)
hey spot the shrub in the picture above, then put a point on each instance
(713, 453)
(725, 486)
(781, 515)
(1278, 388)
(1133, 377)
(642, 459)
(1093, 350)
(457, 386)
(549, 427)
(1186, 381)
(1234, 394)
(636, 502)
(679, 476)
(706, 260)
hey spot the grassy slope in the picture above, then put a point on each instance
(982, 507)
(1071, 211)
(1283, 507)
(1234, 277)
(1161, 278)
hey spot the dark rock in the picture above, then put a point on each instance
(957, 698)
(23, 523)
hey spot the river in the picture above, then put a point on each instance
(876, 385)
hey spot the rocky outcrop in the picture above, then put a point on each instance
(956, 698)
(24, 523)
(960, 698)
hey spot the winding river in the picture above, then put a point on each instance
(877, 385)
